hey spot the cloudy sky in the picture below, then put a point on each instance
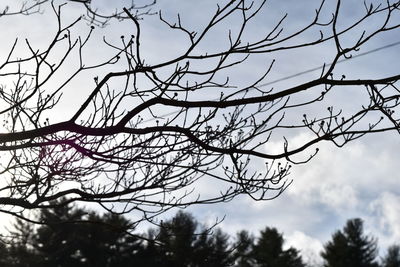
(358, 180)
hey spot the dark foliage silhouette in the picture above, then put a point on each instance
(351, 247)
(185, 243)
(392, 257)
(243, 252)
(268, 251)
(179, 241)
(64, 239)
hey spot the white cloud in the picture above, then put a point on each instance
(309, 247)
(341, 178)
(338, 196)
(387, 209)
(325, 179)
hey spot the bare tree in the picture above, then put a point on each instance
(93, 15)
(147, 136)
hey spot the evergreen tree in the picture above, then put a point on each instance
(351, 247)
(392, 258)
(65, 240)
(21, 252)
(243, 249)
(269, 252)
(59, 242)
(220, 252)
(107, 243)
(182, 243)
(6, 260)
(177, 237)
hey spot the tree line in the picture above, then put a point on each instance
(65, 239)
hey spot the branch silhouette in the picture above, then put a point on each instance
(120, 150)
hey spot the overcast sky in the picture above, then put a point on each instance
(358, 180)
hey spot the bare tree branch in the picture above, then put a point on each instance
(147, 136)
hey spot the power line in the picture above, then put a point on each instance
(328, 65)
(304, 72)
